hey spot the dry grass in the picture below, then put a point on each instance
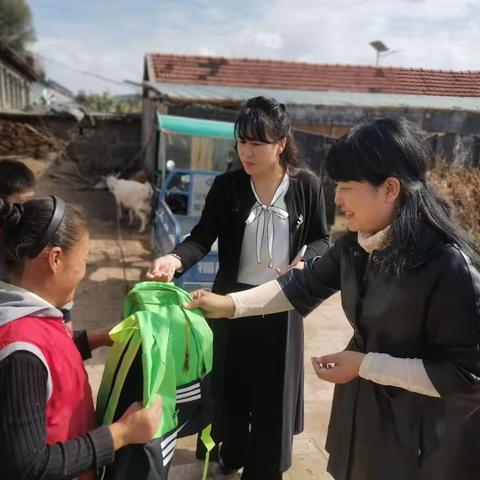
(462, 188)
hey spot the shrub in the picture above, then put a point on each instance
(461, 186)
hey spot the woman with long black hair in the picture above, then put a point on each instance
(406, 403)
(262, 215)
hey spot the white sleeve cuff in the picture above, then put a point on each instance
(262, 300)
(407, 373)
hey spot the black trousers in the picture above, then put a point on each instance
(254, 377)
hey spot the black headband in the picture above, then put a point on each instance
(52, 228)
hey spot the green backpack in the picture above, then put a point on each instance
(159, 349)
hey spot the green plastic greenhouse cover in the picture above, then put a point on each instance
(195, 127)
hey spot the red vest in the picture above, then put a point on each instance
(70, 411)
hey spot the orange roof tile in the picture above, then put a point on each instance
(283, 75)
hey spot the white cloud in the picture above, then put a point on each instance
(425, 33)
(269, 40)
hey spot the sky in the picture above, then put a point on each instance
(109, 38)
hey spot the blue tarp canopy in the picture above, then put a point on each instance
(194, 127)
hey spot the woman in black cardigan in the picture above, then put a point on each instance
(261, 215)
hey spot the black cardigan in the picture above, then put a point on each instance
(228, 205)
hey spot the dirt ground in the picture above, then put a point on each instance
(120, 257)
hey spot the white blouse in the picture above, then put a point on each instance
(266, 240)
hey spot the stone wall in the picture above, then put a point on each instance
(107, 143)
(455, 135)
(100, 143)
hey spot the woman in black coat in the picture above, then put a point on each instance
(262, 215)
(407, 400)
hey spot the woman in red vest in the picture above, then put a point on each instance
(47, 424)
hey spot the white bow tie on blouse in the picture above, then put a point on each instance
(263, 214)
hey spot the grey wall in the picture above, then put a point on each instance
(100, 143)
(107, 143)
(440, 121)
(456, 134)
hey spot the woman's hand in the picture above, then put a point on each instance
(137, 424)
(163, 268)
(213, 305)
(280, 272)
(338, 367)
(99, 338)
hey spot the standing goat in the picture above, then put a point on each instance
(135, 197)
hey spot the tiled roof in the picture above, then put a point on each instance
(200, 70)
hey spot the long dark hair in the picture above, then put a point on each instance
(266, 120)
(374, 150)
(22, 226)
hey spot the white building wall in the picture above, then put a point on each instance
(14, 89)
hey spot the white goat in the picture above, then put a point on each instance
(135, 197)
